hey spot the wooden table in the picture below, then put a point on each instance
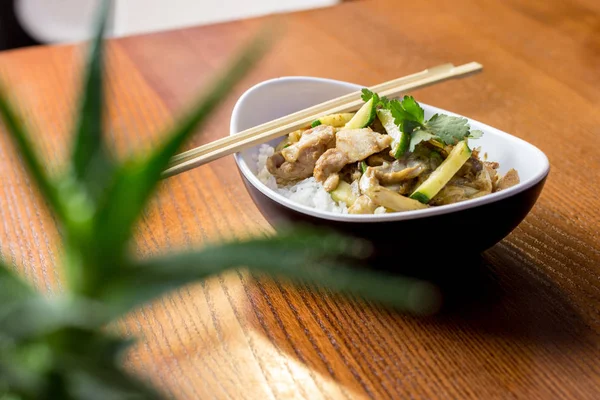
(523, 324)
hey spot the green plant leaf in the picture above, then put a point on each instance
(21, 138)
(92, 368)
(13, 289)
(90, 381)
(91, 164)
(317, 258)
(72, 363)
(135, 181)
(36, 316)
(25, 314)
(23, 369)
(146, 279)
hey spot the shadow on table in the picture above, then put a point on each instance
(492, 294)
(487, 296)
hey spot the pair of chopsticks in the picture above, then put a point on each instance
(282, 126)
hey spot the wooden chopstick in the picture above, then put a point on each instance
(187, 155)
(301, 119)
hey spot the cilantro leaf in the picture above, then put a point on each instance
(408, 114)
(380, 102)
(448, 129)
(476, 134)
(413, 108)
(384, 102)
(418, 136)
(367, 94)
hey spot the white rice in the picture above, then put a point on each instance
(307, 192)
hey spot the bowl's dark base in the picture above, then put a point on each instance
(425, 246)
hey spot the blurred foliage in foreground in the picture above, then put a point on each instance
(58, 347)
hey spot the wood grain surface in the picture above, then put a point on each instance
(521, 321)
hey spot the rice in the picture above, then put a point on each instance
(307, 192)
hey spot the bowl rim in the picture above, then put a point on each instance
(389, 217)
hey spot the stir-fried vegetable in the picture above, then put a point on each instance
(335, 120)
(442, 174)
(364, 116)
(398, 159)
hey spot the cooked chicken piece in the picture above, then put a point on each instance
(465, 188)
(511, 178)
(289, 139)
(363, 205)
(328, 165)
(331, 182)
(286, 172)
(351, 145)
(315, 140)
(397, 171)
(492, 164)
(453, 193)
(491, 168)
(380, 158)
(359, 144)
(297, 161)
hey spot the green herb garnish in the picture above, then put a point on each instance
(407, 114)
(380, 102)
(410, 118)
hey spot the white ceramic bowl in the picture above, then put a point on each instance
(493, 216)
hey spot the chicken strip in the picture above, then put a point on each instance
(314, 140)
(359, 144)
(363, 205)
(297, 161)
(351, 145)
(398, 172)
(511, 178)
(328, 166)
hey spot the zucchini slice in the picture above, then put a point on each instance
(363, 117)
(344, 193)
(401, 140)
(442, 174)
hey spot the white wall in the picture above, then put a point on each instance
(134, 16)
(55, 21)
